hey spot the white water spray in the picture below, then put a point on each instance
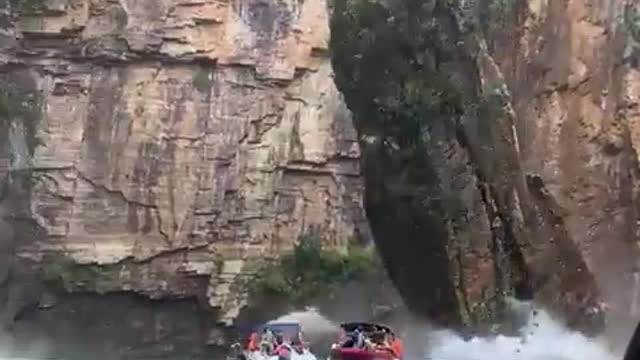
(311, 321)
(541, 338)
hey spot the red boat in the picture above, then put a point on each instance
(360, 354)
(366, 341)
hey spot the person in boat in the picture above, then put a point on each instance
(342, 340)
(360, 338)
(355, 339)
(381, 342)
(369, 344)
(297, 343)
(348, 340)
(267, 341)
(282, 350)
(253, 344)
(397, 346)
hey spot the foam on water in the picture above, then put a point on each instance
(542, 338)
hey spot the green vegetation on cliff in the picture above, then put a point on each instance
(386, 72)
(386, 59)
(311, 273)
(632, 21)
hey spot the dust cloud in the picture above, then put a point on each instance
(311, 321)
(539, 338)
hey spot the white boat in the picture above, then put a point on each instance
(258, 355)
(288, 329)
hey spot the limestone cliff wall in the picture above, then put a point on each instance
(170, 145)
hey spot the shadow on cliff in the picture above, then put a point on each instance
(116, 325)
(20, 114)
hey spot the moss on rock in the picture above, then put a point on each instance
(65, 274)
(386, 58)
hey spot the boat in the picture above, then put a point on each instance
(369, 347)
(291, 332)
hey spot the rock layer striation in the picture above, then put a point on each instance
(163, 148)
(153, 152)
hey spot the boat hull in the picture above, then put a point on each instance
(257, 355)
(359, 354)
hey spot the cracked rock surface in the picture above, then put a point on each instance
(177, 143)
(156, 150)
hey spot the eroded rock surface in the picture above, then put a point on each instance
(179, 142)
(528, 186)
(163, 147)
(572, 72)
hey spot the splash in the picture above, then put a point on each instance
(312, 321)
(541, 338)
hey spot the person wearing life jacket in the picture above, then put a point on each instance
(342, 339)
(397, 346)
(383, 344)
(253, 344)
(282, 350)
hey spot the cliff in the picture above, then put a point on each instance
(574, 91)
(504, 135)
(157, 151)
(154, 152)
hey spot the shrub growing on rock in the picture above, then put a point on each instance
(311, 272)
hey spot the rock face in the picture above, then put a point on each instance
(572, 72)
(152, 152)
(162, 148)
(528, 185)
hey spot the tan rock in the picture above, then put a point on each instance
(216, 135)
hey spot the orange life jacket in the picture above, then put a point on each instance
(397, 347)
(342, 337)
(253, 342)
